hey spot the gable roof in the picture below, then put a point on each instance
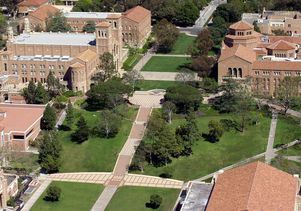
(281, 45)
(241, 25)
(87, 55)
(32, 2)
(239, 51)
(255, 186)
(290, 39)
(44, 12)
(137, 14)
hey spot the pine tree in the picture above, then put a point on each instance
(48, 119)
(40, 94)
(82, 132)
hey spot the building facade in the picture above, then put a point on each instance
(8, 188)
(266, 60)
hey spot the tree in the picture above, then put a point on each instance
(216, 131)
(53, 193)
(155, 201)
(106, 68)
(81, 134)
(108, 94)
(108, 125)
(185, 76)
(287, 92)
(53, 85)
(209, 85)
(58, 23)
(166, 35)
(29, 93)
(89, 27)
(168, 108)
(41, 96)
(203, 65)
(49, 152)
(256, 28)
(187, 13)
(49, 118)
(133, 78)
(185, 97)
(35, 94)
(69, 114)
(202, 44)
(280, 32)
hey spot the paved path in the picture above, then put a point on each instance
(255, 157)
(36, 195)
(104, 198)
(293, 158)
(150, 98)
(143, 60)
(61, 119)
(161, 76)
(269, 154)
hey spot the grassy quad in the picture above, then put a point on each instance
(165, 64)
(209, 157)
(182, 44)
(151, 84)
(95, 154)
(74, 197)
(288, 129)
(135, 198)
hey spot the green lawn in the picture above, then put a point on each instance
(149, 85)
(95, 154)
(292, 151)
(165, 64)
(24, 160)
(209, 157)
(288, 129)
(131, 61)
(74, 197)
(182, 44)
(135, 198)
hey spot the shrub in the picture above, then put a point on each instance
(155, 201)
(53, 193)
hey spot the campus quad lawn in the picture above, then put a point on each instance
(134, 198)
(210, 157)
(95, 154)
(151, 84)
(74, 197)
(182, 44)
(287, 130)
(165, 64)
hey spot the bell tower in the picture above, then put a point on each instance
(104, 38)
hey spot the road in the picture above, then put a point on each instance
(205, 15)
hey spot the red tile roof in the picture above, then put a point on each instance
(137, 14)
(281, 45)
(35, 3)
(295, 40)
(241, 25)
(254, 187)
(277, 65)
(20, 117)
(239, 51)
(44, 12)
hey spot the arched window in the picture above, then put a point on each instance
(240, 72)
(230, 71)
(235, 72)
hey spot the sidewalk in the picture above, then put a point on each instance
(269, 154)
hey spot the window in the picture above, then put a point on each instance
(288, 73)
(256, 72)
(5, 67)
(18, 136)
(289, 25)
(277, 73)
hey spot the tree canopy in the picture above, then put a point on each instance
(58, 23)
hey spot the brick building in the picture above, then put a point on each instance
(264, 59)
(8, 187)
(73, 57)
(19, 123)
(27, 6)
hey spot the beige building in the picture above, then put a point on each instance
(265, 59)
(8, 187)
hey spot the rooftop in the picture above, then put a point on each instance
(239, 51)
(44, 12)
(137, 13)
(20, 117)
(89, 15)
(197, 196)
(32, 2)
(254, 186)
(277, 65)
(50, 38)
(241, 25)
(281, 45)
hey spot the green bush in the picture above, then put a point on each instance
(155, 201)
(53, 193)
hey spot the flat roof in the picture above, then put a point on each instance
(51, 38)
(49, 58)
(89, 15)
(20, 117)
(197, 196)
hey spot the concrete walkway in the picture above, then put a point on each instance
(161, 76)
(269, 154)
(104, 198)
(293, 158)
(36, 195)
